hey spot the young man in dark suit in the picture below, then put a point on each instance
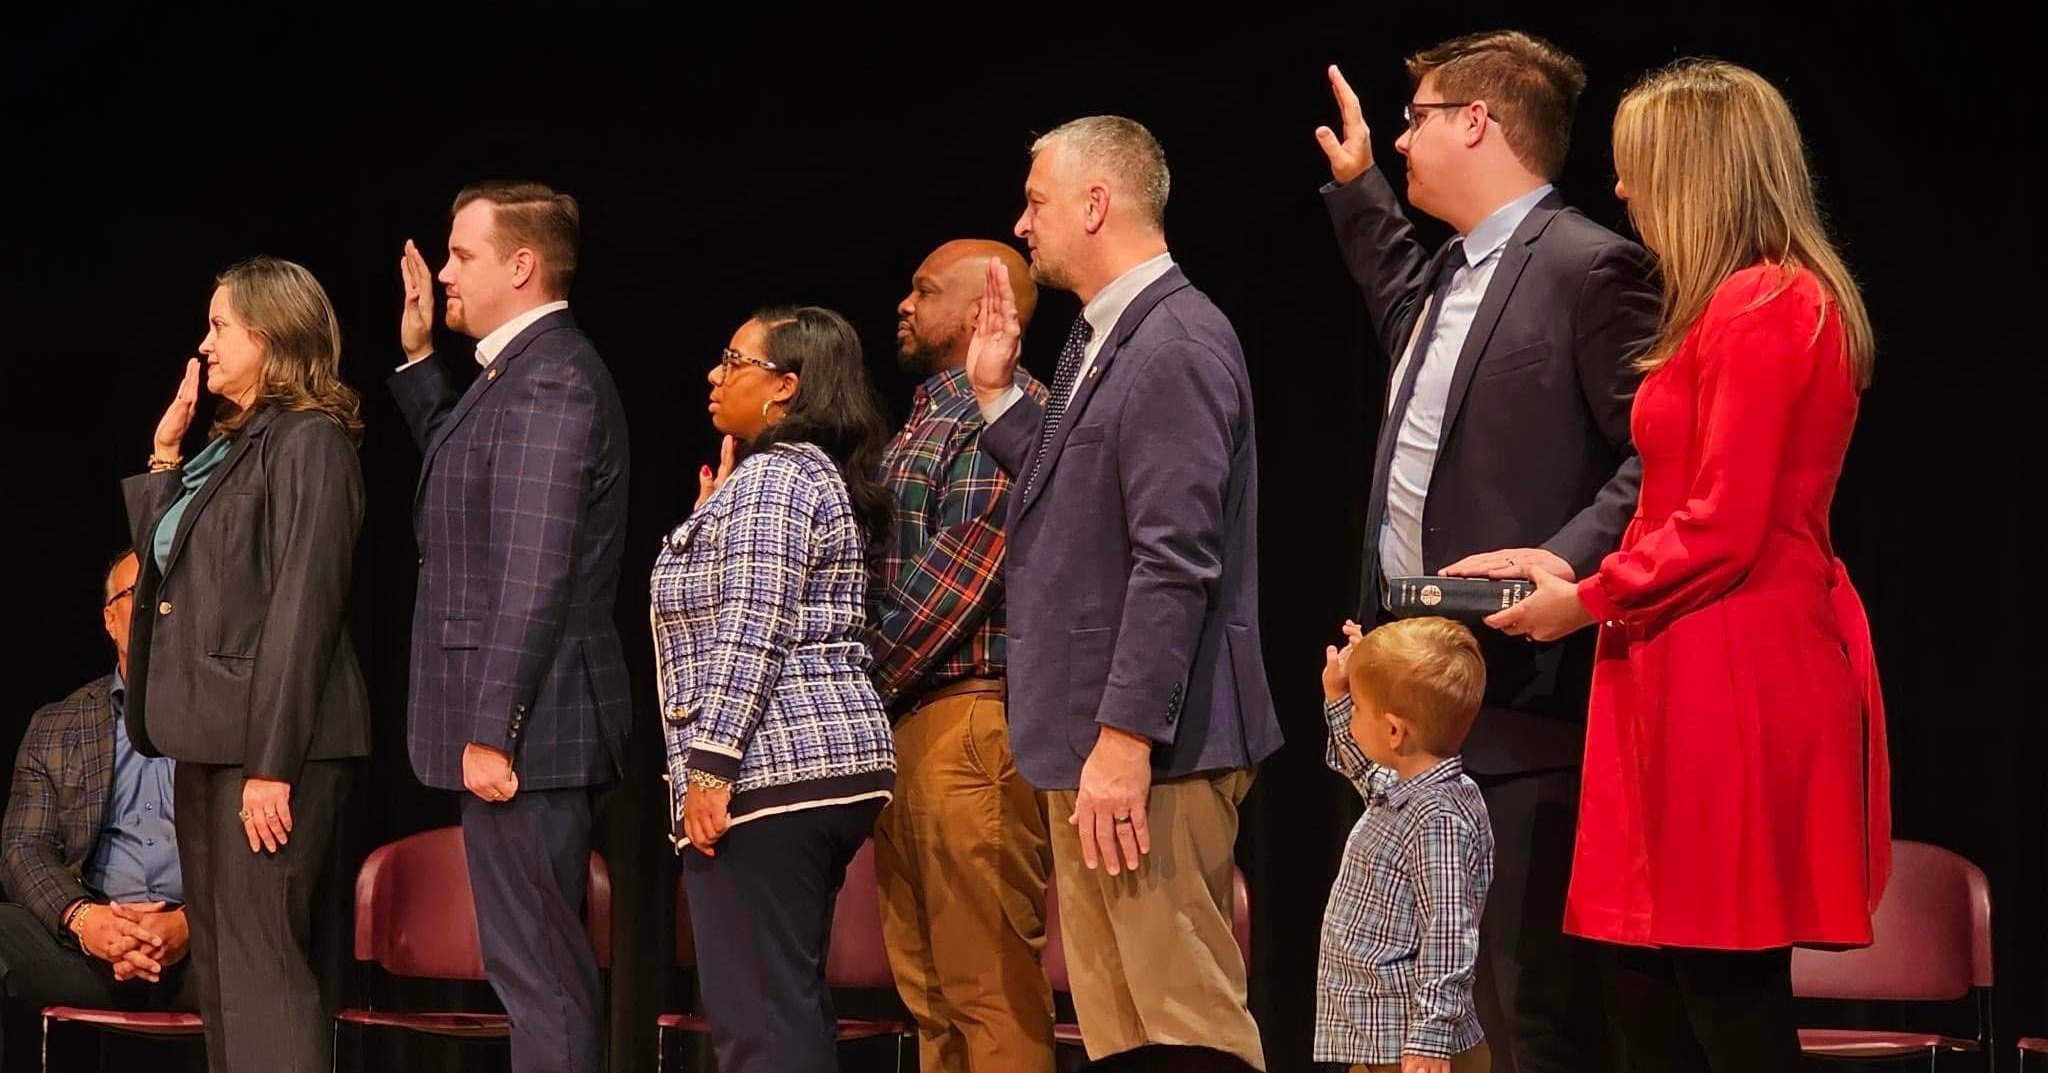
(1138, 701)
(519, 692)
(1504, 444)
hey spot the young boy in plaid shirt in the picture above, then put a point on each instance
(1401, 932)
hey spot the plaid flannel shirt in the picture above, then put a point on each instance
(1401, 932)
(758, 607)
(938, 614)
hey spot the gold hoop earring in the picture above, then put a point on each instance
(764, 409)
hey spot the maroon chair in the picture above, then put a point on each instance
(1069, 1034)
(1931, 942)
(856, 958)
(416, 917)
(156, 1025)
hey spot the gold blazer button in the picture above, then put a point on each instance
(164, 608)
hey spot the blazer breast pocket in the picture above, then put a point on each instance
(1520, 360)
(462, 633)
(1087, 435)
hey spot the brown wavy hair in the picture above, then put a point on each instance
(284, 306)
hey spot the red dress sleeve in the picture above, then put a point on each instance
(1753, 362)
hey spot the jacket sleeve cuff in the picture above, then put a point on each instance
(713, 761)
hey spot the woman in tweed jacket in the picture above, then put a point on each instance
(779, 751)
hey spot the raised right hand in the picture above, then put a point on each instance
(1337, 663)
(1351, 155)
(416, 316)
(709, 482)
(992, 352)
(170, 429)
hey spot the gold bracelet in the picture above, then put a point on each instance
(708, 781)
(78, 924)
(158, 464)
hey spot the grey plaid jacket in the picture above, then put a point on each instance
(63, 775)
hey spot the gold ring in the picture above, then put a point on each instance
(244, 814)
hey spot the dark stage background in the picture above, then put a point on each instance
(792, 160)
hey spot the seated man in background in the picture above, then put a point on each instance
(88, 857)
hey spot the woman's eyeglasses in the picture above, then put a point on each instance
(729, 360)
(117, 597)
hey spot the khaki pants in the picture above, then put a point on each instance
(961, 857)
(1476, 1060)
(1150, 953)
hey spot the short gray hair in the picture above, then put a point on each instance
(1123, 148)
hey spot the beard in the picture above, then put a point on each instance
(922, 355)
(1049, 275)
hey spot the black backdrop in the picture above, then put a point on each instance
(788, 159)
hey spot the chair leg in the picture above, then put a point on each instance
(660, 1048)
(46, 1043)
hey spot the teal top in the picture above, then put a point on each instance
(193, 477)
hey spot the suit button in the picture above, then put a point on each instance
(423, 560)
(164, 608)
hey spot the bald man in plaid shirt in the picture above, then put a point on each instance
(961, 851)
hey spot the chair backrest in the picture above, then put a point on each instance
(1930, 937)
(1055, 956)
(858, 957)
(416, 913)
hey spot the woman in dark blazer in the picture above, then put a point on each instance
(241, 666)
(779, 751)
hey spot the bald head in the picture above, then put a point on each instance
(936, 320)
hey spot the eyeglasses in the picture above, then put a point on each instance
(729, 361)
(1417, 111)
(116, 598)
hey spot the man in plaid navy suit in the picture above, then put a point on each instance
(519, 692)
(88, 855)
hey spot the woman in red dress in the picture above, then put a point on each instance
(1735, 801)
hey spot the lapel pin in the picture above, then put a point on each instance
(491, 373)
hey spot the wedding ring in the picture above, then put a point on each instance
(245, 815)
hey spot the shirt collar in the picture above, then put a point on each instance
(120, 692)
(490, 346)
(1109, 303)
(1396, 794)
(941, 388)
(1489, 235)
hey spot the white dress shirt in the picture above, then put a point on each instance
(1421, 430)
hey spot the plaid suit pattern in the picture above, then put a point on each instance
(759, 614)
(63, 775)
(520, 516)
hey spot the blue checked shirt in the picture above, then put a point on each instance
(1401, 932)
(759, 615)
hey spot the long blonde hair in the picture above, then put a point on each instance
(1717, 180)
(283, 305)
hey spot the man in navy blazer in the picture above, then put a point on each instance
(519, 692)
(1137, 690)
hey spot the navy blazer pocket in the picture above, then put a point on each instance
(462, 633)
(1089, 652)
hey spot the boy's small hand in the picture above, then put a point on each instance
(1336, 678)
(1415, 1063)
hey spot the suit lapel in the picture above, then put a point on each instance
(488, 379)
(100, 724)
(1514, 257)
(1127, 325)
(244, 442)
